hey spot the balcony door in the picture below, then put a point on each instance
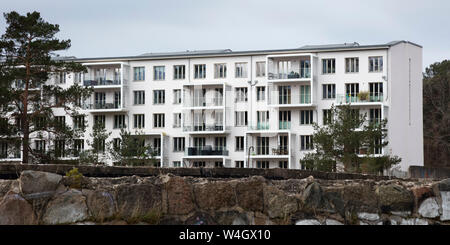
(100, 99)
(284, 95)
(117, 99)
(199, 97)
(218, 120)
(157, 146)
(285, 119)
(199, 121)
(199, 142)
(376, 91)
(262, 145)
(218, 97)
(263, 119)
(283, 144)
(305, 69)
(220, 143)
(351, 92)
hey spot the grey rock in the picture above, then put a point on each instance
(15, 210)
(429, 208)
(138, 200)
(445, 197)
(403, 214)
(69, 207)
(101, 204)
(308, 222)
(277, 203)
(312, 196)
(395, 197)
(332, 222)
(368, 216)
(414, 221)
(444, 185)
(36, 182)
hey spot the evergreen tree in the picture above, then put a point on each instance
(132, 150)
(27, 62)
(99, 147)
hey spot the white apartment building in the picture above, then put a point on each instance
(253, 108)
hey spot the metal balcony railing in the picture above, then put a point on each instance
(100, 106)
(293, 74)
(206, 151)
(203, 102)
(260, 126)
(356, 98)
(204, 128)
(267, 151)
(101, 82)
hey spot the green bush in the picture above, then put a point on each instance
(75, 178)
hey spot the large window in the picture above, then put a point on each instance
(239, 143)
(306, 117)
(329, 91)
(139, 73)
(177, 120)
(375, 115)
(220, 71)
(139, 97)
(159, 97)
(351, 65)
(119, 121)
(139, 120)
(376, 91)
(177, 96)
(60, 148)
(261, 69)
(260, 93)
(328, 66)
(327, 116)
(262, 120)
(241, 94)
(159, 73)
(284, 118)
(306, 142)
(240, 118)
(199, 71)
(158, 120)
(178, 143)
(239, 164)
(39, 146)
(241, 70)
(376, 64)
(100, 120)
(351, 92)
(262, 164)
(78, 122)
(305, 94)
(179, 72)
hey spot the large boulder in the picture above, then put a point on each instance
(312, 196)
(278, 204)
(360, 197)
(179, 196)
(445, 197)
(214, 195)
(68, 207)
(308, 222)
(136, 200)
(444, 185)
(394, 197)
(250, 193)
(38, 182)
(15, 210)
(101, 204)
(429, 208)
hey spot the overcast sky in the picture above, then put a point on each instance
(99, 28)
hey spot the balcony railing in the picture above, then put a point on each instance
(267, 151)
(260, 126)
(101, 82)
(293, 74)
(206, 151)
(284, 125)
(345, 98)
(101, 106)
(203, 102)
(204, 128)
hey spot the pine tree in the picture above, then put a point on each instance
(132, 150)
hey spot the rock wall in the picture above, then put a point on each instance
(47, 198)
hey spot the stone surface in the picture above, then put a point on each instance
(278, 204)
(429, 208)
(200, 218)
(368, 216)
(360, 197)
(214, 195)
(414, 221)
(403, 214)
(444, 185)
(232, 217)
(421, 193)
(101, 204)
(312, 196)
(179, 194)
(250, 193)
(308, 222)
(137, 200)
(69, 207)
(15, 210)
(37, 182)
(394, 197)
(445, 197)
(332, 222)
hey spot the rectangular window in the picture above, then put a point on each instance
(262, 145)
(261, 69)
(306, 117)
(306, 142)
(176, 164)
(260, 93)
(305, 94)
(159, 97)
(3, 149)
(262, 164)
(329, 91)
(239, 164)
(178, 143)
(139, 120)
(327, 116)
(100, 120)
(60, 148)
(62, 78)
(119, 121)
(241, 70)
(179, 72)
(241, 94)
(199, 71)
(117, 142)
(240, 118)
(220, 70)
(198, 164)
(177, 96)
(375, 115)
(60, 121)
(159, 73)
(139, 73)
(39, 146)
(78, 122)
(239, 143)
(284, 118)
(328, 66)
(218, 164)
(158, 120)
(78, 147)
(376, 92)
(351, 65)
(351, 92)
(283, 164)
(177, 120)
(376, 64)
(262, 120)
(139, 97)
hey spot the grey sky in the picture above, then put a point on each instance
(119, 28)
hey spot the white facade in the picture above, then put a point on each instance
(279, 83)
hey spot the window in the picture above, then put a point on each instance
(376, 64)
(284, 118)
(239, 143)
(177, 120)
(283, 164)
(327, 116)
(176, 164)
(159, 73)
(179, 72)
(240, 118)
(100, 120)
(159, 97)
(329, 91)
(375, 115)
(60, 121)
(260, 93)
(305, 94)
(351, 92)
(306, 117)
(241, 70)
(177, 96)
(376, 91)
(241, 94)
(306, 142)
(262, 118)
(139, 73)
(199, 71)
(61, 78)
(197, 164)
(39, 122)
(78, 122)
(328, 66)
(262, 164)
(220, 71)
(262, 145)
(261, 69)
(78, 145)
(239, 164)
(220, 143)
(77, 77)
(139, 97)
(139, 120)
(117, 142)
(351, 65)
(218, 164)
(284, 95)
(178, 143)
(60, 148)
(3, 149)
(39, 146)
(119, 121)
(158, 120)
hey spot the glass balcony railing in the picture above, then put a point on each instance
(204, 102)
(102, 81)
(284, 125)
(206, 151)
(205, 128)
(293, 74)
(268, 151)
(260, 126)
(341, 98)
(100, 106)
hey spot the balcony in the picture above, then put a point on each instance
(206, 151)
(359, 98)
(204, 102)
(259, 126)
(101, 106)
(262, 152)
(294, 67)
(300, 73)
(205, 128)
(284, 125)
(102, 81)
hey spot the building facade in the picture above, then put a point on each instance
(220, 108)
